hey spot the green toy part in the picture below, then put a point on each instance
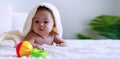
(38, 53)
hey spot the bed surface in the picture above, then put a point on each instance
(77, 49)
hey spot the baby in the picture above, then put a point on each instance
(43, 29)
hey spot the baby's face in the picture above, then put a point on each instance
(42, 23)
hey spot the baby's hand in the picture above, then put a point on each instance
(62, 44)
(39, 47)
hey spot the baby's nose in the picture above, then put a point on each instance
(41, 24)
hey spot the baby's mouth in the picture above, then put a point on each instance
(41, 29)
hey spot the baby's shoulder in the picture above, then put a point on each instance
(31, 35)
(54, 35)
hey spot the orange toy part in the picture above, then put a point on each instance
(23, 48)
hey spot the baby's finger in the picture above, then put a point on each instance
(57, 44)
(61, 45)
(40, 48)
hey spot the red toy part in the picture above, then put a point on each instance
(23, 48)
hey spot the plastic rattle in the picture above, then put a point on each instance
(25, 48)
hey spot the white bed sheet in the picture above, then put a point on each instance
(78, 49)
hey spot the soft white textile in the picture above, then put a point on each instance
(78, 49)
(11, 38)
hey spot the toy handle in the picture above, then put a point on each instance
(38, 53)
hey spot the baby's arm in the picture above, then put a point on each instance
(35, 45)
(31, 38)
(59, 41)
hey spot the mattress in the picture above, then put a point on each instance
(77, 49)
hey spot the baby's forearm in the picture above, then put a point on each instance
(37, 46)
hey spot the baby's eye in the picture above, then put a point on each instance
(36, 21)
(46, 22)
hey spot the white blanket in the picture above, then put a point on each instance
(78, 49)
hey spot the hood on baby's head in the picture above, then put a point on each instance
(28, 23)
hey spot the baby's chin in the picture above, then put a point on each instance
(42, 33)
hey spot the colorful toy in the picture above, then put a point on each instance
(25, 48)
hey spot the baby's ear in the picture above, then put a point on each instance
(54, 28)
(54, 25)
